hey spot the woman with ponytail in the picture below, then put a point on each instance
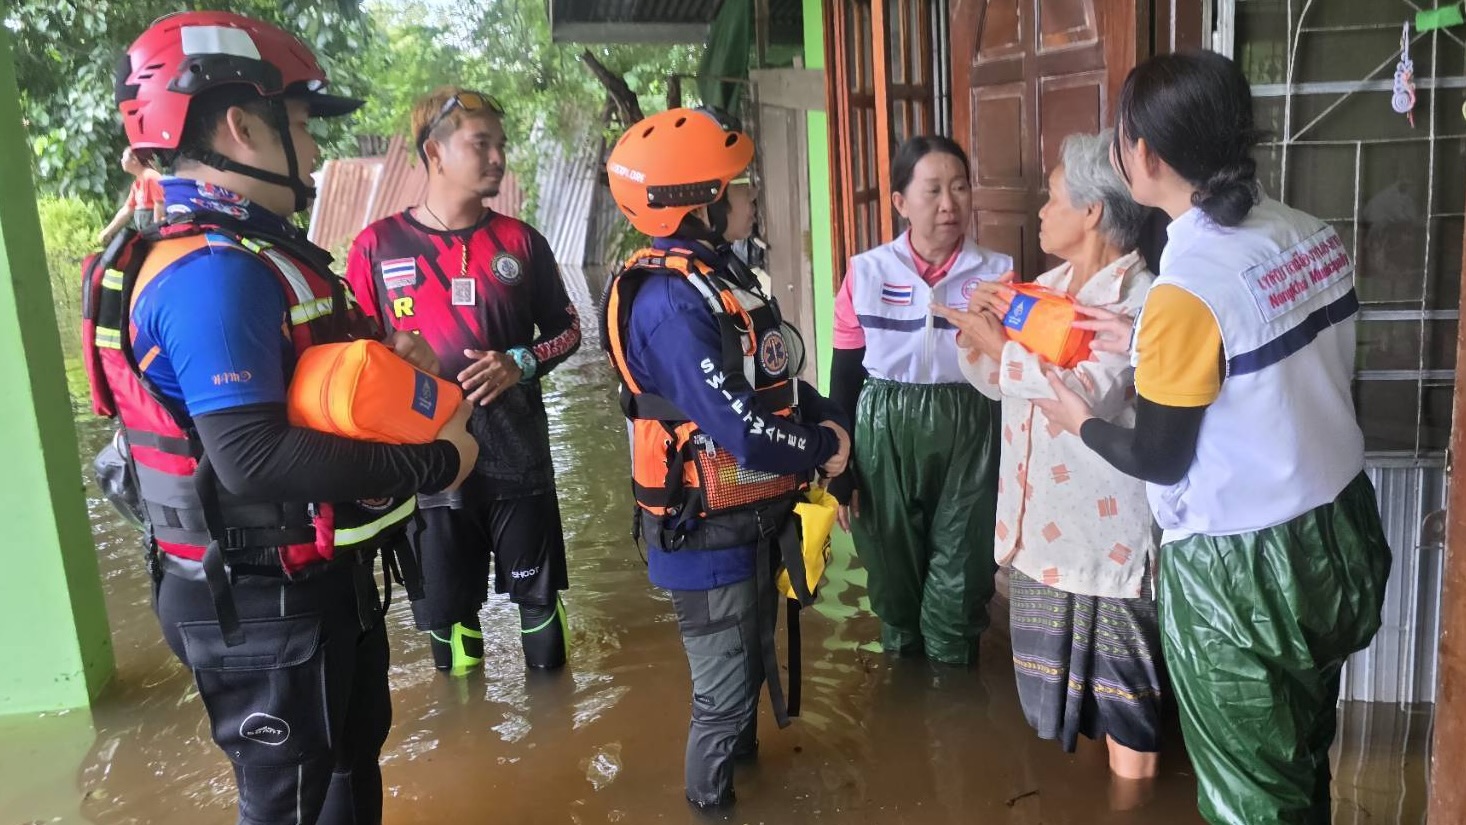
(1273, 563)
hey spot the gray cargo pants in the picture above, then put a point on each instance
(720, 632)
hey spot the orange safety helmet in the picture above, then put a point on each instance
(671, 163)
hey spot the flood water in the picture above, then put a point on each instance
(894, 742)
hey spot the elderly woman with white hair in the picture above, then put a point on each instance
(1075, 532)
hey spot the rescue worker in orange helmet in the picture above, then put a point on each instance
(261, 536)
(725, 437)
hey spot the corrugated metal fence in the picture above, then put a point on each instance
(576, 215)
(1400, 666)
(354, 192)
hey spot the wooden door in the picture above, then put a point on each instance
(1026, 74)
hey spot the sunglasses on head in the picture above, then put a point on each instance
(468, 102)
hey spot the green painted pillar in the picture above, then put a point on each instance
(53, 624)
(821, 232)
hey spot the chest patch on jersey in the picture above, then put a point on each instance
(773, 352)
(399, 273)
(508, 269)
(1293, 276)
(968, 287)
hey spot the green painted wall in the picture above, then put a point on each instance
(820, 226)
(53, 624)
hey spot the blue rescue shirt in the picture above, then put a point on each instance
(670, 333)
(213, 326)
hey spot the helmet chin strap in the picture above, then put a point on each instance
(303, 192)
(711, 231)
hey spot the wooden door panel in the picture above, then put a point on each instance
(998, 137)
(1000, 34)
(1035, 71)
(1008, 232)
(1068, 105)
(1066, 23)
(880, 91)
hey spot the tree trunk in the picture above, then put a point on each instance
(627, 104)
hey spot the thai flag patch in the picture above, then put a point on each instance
(399, 273)
(896, 294)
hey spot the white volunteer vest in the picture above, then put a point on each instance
(1281, 438)
(904, 341)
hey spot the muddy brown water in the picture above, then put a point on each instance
(894, 742)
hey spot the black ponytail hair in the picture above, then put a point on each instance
(1194, 110)
(912, 150)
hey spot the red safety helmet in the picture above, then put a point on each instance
(186, 54)
(673, 162)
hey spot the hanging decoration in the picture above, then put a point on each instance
(1403, 101)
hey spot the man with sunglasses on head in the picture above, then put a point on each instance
(484, 291)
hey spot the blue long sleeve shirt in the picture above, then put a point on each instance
(672, 340)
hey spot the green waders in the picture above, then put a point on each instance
(1255, 629)
(927, 456)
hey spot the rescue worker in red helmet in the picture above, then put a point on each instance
(724, 435)
(261, 536)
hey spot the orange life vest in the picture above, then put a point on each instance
(678, 472)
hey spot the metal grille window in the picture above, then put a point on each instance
(1322, 74)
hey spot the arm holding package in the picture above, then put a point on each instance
(1178, 374)
(228, 350)
(1104, 379)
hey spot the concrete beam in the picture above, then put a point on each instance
(53, 623)
(799, 89)
(607, 32)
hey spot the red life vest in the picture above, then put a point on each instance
(187, 513)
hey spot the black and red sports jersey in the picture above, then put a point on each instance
(417, 279)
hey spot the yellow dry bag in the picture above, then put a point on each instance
(814, 520)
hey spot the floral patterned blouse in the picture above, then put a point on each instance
(1065, 516)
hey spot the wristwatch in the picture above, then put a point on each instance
(528, 364)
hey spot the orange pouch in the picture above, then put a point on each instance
(363, 390)
(1042, 320)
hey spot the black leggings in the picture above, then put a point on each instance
(301, 707)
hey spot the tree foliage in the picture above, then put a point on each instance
(503, 47)
(66, 53)
(392, 53)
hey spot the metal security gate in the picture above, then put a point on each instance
(1322, 74)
